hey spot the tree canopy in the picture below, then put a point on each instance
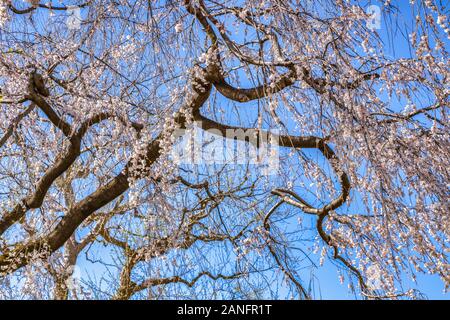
(127, 130)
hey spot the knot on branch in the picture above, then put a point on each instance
(37, 84)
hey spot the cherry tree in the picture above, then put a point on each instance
(94, 95)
